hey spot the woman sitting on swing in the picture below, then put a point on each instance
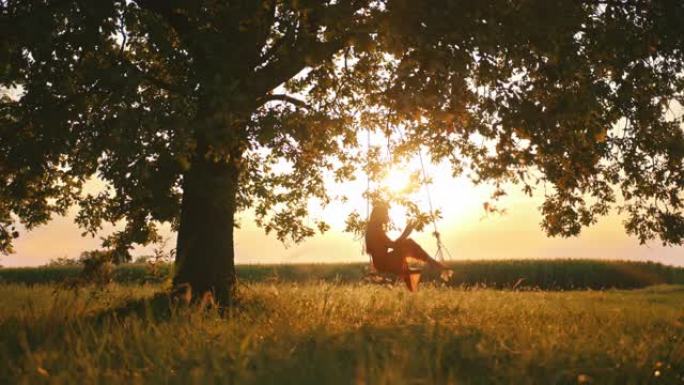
(378, 245)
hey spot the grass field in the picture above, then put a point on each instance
(341, 332)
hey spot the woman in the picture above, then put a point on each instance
(378, 245)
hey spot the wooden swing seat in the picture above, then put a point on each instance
(410, 276)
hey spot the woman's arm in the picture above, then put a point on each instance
(407, 231)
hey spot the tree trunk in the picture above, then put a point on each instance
(204, 253)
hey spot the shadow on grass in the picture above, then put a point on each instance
(163, 305)
(158, 307)
(375, 355)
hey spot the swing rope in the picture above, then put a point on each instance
(368, 135)
(441, 248)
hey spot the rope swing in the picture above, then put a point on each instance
(442, 252)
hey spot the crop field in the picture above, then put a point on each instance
(286, 329)
(554, 274)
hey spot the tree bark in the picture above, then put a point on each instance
(205, 258)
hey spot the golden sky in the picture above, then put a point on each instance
(466, 231)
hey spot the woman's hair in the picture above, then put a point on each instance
(378, 218)
(379, 215)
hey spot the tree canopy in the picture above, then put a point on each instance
(177, 103)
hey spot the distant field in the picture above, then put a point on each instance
(521, 274)
(342, 333)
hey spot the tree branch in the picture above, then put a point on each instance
(305, 49)
(282, 70)
(284, 98)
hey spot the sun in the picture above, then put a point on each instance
(397, 180)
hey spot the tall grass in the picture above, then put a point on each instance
(313, 333)
(539, 274)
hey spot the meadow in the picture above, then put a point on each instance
(312, 324)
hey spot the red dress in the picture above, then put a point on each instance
(394, 262)
(378, 245)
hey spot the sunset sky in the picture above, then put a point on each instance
(466, 231)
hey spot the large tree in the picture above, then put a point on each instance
(192, 111)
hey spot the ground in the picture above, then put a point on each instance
(346, 333)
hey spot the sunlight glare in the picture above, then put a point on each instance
(397, 180)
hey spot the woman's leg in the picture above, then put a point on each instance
(410, 248)
(411, 280)
(397, 264)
